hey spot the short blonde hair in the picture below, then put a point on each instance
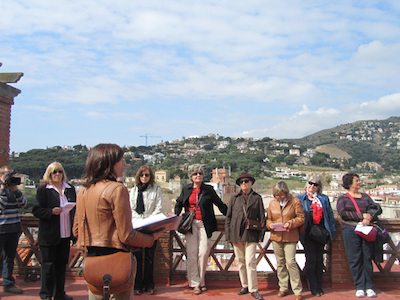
(280, 187)
(50, 169)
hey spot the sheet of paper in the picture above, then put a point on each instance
(364, 229)
(149, 220)
(278, 227)
(68, 206)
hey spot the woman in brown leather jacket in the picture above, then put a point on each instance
(108, 213)
(285, 217)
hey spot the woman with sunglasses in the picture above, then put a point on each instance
(200, 197)
(246, 204)
(145, 199)
(55, 230)
(318, 211)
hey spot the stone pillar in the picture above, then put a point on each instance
(340, 271)
(7, 94)
(163, 259)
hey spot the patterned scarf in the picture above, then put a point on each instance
(139, 200)
(316, 206)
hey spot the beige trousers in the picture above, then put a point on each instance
(287, 267)
(246, 256)
(128, 295)
(197, 253)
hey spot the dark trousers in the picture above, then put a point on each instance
(144, 274)
(314, 263)
(8, 245)
(359, 255)
(54, 263)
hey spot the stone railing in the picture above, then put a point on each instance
(171, 250)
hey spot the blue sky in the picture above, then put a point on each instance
(114, 71)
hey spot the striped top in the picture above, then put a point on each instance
(10, 202)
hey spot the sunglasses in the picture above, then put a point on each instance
(144, 175)
(313, 183)
(244, 181)
(198, 173)
(58, 171)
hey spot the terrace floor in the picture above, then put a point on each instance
(76, 287)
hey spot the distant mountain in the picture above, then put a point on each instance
(369, 140)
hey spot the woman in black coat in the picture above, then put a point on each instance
(55, 230)
(201, 197)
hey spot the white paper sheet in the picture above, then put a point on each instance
(278, 227)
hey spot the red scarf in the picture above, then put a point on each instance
(316, 207)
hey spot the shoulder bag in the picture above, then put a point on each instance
(185, 225)
(367, 232)
(250, 223)
(317, 232)
(107, 274)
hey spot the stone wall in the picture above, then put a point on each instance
(7, 94)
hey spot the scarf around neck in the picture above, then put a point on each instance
(139, 201)
(316, 205)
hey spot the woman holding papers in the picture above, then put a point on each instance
(285, 217)
(145, 199)
(200, 197)
(104, 201)
(318, 212)
(354, 207)
(52, 207)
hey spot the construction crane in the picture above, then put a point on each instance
(149, 136)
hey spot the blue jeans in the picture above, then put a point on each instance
(359, 255)
(8, 245)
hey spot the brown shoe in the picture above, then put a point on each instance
(281, 294)
(298, 297)
(197, 290)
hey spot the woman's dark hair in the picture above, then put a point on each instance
(100, 163)
(140, 171)
(348, 180)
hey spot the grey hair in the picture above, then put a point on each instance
(317, 179)
(194, 169)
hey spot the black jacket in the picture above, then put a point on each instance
(207, 197)
(49, 224)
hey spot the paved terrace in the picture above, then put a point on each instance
(222, 275)
(76, 287)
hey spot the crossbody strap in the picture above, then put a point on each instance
(354, 202)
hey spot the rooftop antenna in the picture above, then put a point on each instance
(149, 136)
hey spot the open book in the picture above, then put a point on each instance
(157, 223)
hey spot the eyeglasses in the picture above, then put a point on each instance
(313, 183)
(244, 181)
(58, 171)
(198, 173)
(145, 175)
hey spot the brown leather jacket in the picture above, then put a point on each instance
(292, 213)
(109, 218)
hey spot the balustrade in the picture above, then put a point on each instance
(171, 250)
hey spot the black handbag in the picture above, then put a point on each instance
(319, 234)
(185, 225)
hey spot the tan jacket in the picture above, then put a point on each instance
(109, 218)
(292, 213)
